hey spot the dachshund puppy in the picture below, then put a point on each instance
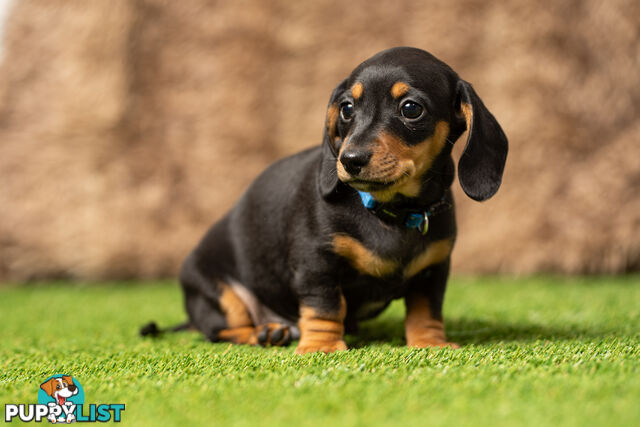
(330, 236)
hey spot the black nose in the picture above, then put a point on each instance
(72, 388)
(354, 160)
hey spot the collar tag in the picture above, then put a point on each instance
(425, 224)
(419, 221)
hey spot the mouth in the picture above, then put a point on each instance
(368, 186)
(384, 182)
(61, 400)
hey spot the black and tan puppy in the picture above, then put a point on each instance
(330, 236)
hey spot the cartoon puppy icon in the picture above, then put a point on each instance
(60, 389)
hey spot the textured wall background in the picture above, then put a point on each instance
(127, 127)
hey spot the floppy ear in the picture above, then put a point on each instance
(67, 379)
(482, 162)
(47, 386)
(328, 176)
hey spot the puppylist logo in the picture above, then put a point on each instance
(61, 400)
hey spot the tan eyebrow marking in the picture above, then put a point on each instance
(398, 89)
(356, 90)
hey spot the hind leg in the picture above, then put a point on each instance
(220, 314)
(240, 327)
(229, 320)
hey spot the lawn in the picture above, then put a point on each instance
(535, 351)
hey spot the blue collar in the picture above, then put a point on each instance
(418, 220)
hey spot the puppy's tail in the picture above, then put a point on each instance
(151, 329)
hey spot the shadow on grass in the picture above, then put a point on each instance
(471, 331)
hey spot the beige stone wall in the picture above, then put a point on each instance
(128, 126)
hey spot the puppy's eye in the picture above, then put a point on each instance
(411, 110)
(346, 111)
(58, 387)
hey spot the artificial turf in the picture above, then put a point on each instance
(536, 351)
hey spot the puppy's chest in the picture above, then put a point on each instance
(391, 258)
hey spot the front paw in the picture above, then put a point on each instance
(426, 343)
(325, 347)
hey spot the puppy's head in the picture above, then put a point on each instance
(396, 115)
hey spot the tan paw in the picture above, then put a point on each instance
(324, 346)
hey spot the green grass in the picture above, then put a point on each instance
(538, 351)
